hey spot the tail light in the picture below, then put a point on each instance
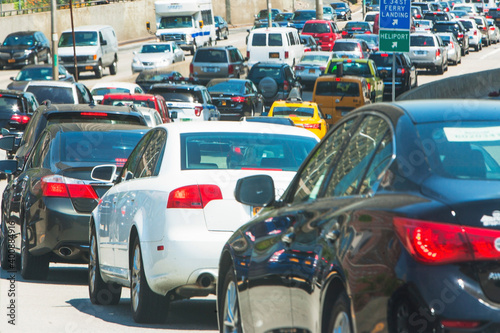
(484, 28)
(21, 119)
(489, 17)
(401, 71)
(286, 85)
(191, 69)
(248, 54)
(460, 35)
(369, 86)
(447, 9)
(460, 324)
(322, 69)
(438, 53)
(418, 16)
(59, 186)
(492, 28)
(198, 110)
(312, 126)
(368, 32)
(344, 33)
(238, 99)
(299, 68)
(230, 69)
(437, 243)
(193, 196)
(307, 49)
(475, 32)
(384, 55)
(286, 54)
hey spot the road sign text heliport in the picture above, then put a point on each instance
(394, 41)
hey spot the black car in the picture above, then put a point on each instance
(263, 15)
(356, 27)
(46, 209)
(391, 224)
(47, 114)
(38, 72)
(148, 77)
(406, 74)
(23, 48)
(342, 9)
(16, 109)
(457, 29)
(221, 28)
(274, 80)
(235, 98)
(283, 18)
(437, 16)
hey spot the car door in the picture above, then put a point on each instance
(408, 66)
(140, 206)
(379, 82)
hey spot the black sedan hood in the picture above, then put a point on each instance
(15, 48)
(474, 202)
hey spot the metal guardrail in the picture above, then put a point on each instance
(76, 4)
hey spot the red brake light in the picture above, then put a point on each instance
(460, 35)
(93, 114)
(230, 69)
(299, 68)
(475, 32)
(191, 69)
(344, 33)
(21, 119)
(198, 110)
(460, 324)
(286, 85)
(369, 86)
(193, 196)
(384, 55)
(248, 54)
(238, 99)
(401, 71)
(492, 28)
(59, 186)
(452, 45)
(286, 54)
(438, 53)
(419, 16)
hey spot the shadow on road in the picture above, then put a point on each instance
(68, 275)
(188, 315)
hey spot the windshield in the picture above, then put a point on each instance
(318, 28)
(114, 90)
(179, 95)
(426, 41)
(337, 88)
(62, 95)
(28, 74)
(170, 22)
(338, 5)
(352, 68)
(283, 16)
(215, 56)
(155, 48)
(226, 87)
(18, 40)
(466, 150)
(293, 111)
(305, 15)
(345, 47)
(82, 38)
(126, 102)
(244, 151)
(10, 105)
(315, 59)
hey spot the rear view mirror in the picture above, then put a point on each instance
(105, 172)
(255, 190)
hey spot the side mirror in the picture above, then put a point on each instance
(201, 24)
(173, 115)
(106, 172)
(104, 43)
(255, 190)
(12, 78)
(148, 26)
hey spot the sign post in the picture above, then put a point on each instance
(394, 32)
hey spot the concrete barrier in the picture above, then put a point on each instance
(474, 85)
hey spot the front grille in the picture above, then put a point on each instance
(71, 59)
(172, 37)
(148, 63)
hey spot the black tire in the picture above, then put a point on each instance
(229, 308)
(32, 267)
(147, 306)
(218, 35)
(49, 59)
(440, 69)
(193, 50)
(402, 314)
(476, 48)
(100, 292)
(226, 36)
(340, 317)
(98, 71)
(35, 61)
(113, 69)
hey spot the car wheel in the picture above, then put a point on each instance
(113, 68)
(403, 317)
(226, 36)
(476, 48)
(98, 71)
(49, 59)
(229, 314)
(440, 69)
(147, 306)
(100, 292)
(35, 60)
(193, 50)
(218, 35)
(340, 317)
(32, 267)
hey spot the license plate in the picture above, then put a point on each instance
(210, 69)
(274, 55)
(223, 103)
(312, 71)
(11, 60)
(256, 210)
(345, 56)
(89, 68)
(421, 52)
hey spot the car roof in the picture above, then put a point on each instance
(317, 21)
(84, 108)
(270, 64)
(128, 85)
(186, 86)
(89, 28)
(22, 33)
(51, 83)
(235, 126)
(11, 93)
(138, 97)
(328, 53)
(273, 29)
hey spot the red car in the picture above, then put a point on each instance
(325, 32)
(151, 101)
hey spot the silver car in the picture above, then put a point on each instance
(428, 51)
(454, 49)
(312, 65)
(157, 55)
(493, 31)
(218, 62)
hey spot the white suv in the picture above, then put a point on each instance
(475, 36)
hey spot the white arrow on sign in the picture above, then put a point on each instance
(394, 44)
(395, 22)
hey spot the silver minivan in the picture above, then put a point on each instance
(96, 48)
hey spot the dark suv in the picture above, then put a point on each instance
(457, 29)
(342, 9)
(24, 48)
(406, 74)
(217, 62)
(437, 16)
(274, 80)
(16, 108)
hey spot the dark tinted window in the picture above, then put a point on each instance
(13, 40)
(304, 15)
(82, 38)
(259, 72)
(446, 27)
(217, 56)
(10, 104)
(259, 40)
(421, 41)
(57, 95)
(384, 59)
(275, 40)
(236, 87)
(346, 47)
(319, 28)
(179, 95)
(334, 88)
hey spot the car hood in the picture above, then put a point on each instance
(15, 48)
(153, 57)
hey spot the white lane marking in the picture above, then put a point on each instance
(490, 53)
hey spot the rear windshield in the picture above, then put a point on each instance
(315, 58)
(10, 105)
(112, 90)
(445, 28)
(435, 17)
(384, 59)
(338, 5)
(217, 56)
(422, 41)
(179, 95)
(309, 15)
(261, 72)
(226, 87)
(94, 117)
(467, 24)
(357, 26)
(293, 111)
(317, 28)
(57, 95)
(494, 13)
(352, 68)
(13, 40)
(126, 102)
(244, 151)
(272, 39)
(345, 47)
(334, 88)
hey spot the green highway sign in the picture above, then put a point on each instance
(394, 40)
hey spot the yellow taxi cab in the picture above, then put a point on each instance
(303, 114)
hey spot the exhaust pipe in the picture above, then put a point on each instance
(65, 251)
(205, 280)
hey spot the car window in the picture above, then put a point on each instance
(217, 56)
(86, 95)
(259, 40)
(319, 28)
(356, 158)
(58, 95)
(337, 88)
(39, 151)
(275, 39)
(149, 164)
(10, 105)
(426, 41)
(309, 182)
(135, 162)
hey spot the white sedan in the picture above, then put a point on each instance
(157, 55)
(161, 228)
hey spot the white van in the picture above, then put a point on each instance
(96, 48)
(275, 45)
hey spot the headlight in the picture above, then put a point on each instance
(342, 13)
(28, 52)
(92, 57)
(136, 61)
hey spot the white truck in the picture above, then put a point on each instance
(189, 23)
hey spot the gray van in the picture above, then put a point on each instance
(96, 48)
